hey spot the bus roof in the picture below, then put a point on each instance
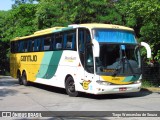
(109, 26)
(38, 33)
(87, 25)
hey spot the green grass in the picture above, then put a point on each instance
(146, 84)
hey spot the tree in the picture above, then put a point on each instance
(4, 57)
(14, 23)
(88, 11)
(4, 45)
(3, 15)
(19, 21)
(25, 18)
(19, 2)
(143, 16)
(51, 13)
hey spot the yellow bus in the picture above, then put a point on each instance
(91, 58)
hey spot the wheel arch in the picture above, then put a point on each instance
(69, 75)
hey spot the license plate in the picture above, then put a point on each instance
(122, 89)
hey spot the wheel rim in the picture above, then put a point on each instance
(19, 78)
(24, 79)
(71, 87)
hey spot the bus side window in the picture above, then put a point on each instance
(36, 47)
(47, 43)
(58, 41)
(13, 50)
(41, 47)
(69, 40)
(39, 44)
(65, 40)
(30, 45)
(25, 46)
(84, 37)
(81, 41)
(18, 44)
(21, 46)
(15, 46)
(81, 45)
(88, 37)
(52, 43)
(74, 41)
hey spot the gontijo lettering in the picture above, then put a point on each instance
(29, 58)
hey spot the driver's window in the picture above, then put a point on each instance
(83, 39)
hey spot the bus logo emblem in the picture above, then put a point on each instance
(85, 84)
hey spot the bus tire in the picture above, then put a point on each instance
(19, 78)
(24, 79)
(70, 87)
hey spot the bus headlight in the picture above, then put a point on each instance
(103, 82)
(137, 82)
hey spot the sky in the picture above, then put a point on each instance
(6, 4)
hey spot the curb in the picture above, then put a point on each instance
(152, 89)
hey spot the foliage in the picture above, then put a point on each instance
(25, 17)
(16, 22)
(147, 83)
(4, 58)
(19, 22)
(143, 16)
(51, 13)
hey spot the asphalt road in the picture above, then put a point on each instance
(15, 97)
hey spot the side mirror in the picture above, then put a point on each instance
(96, 48)
(144, 44)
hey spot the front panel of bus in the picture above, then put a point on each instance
(117, 68)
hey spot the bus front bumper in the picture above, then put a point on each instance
(111, 89)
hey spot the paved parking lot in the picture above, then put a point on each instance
(15, 97)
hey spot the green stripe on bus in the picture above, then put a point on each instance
(49, 64)
(54, 62)
(131, 78)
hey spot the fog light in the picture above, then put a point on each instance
(99, 89)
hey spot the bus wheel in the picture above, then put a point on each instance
(70, 87)
(19, 78)
(24, 79)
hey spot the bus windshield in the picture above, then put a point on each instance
(114, 36)
(117, 59)
(119, 53)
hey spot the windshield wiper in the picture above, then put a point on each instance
(121, 65)
(117, 69)
(129, 64)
